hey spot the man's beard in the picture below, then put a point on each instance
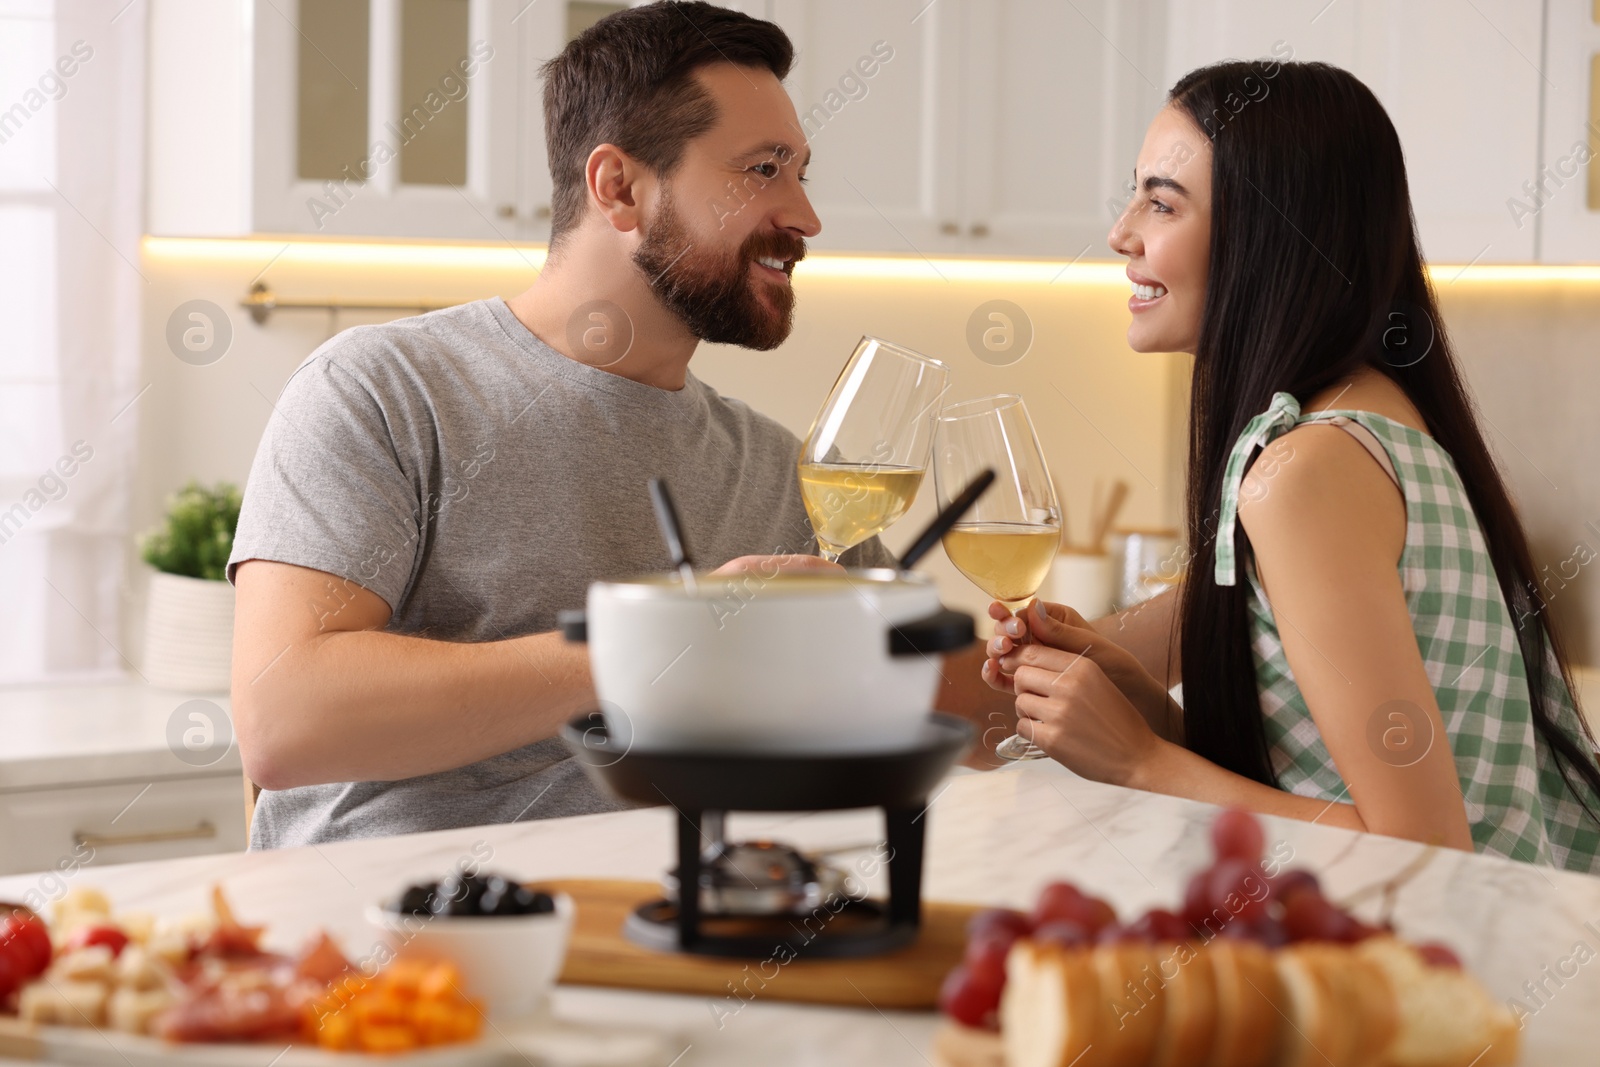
(712, 292)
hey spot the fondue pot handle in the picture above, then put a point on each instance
(943, 631)
(574, 623)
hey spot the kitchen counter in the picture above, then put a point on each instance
(99, 732)
(115, 772)
(993, 838)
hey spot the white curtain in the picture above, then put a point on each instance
(71, 211)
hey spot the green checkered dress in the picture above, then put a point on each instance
(1517, 800)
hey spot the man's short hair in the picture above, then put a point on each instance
(628, 80)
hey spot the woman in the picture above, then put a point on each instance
(1362, 640)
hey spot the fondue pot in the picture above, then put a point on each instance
(803, 662)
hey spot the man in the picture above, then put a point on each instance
(431, 492)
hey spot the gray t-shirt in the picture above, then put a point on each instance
(478, 481)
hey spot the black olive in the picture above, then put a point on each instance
(507, 903)
(517, 903)
(497, 890)
(474, 894)
(459, 894)
(416, 900)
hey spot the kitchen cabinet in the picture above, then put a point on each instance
(961, 126)
(90, 775)
(1563, 196)
(60, 830)
(873, 90)
(401, 118)
(1055, 104)
(984, 127)
(1461, 83)
(356, 118)
(996, 127)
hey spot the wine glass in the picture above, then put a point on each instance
(1006, 543)
(868, 449)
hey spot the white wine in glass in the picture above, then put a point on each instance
(1007, 541)
(1007, 560)
(848, 503)
(868, 449)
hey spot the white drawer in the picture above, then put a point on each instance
(95, 825)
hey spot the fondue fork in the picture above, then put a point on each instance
(672, 532)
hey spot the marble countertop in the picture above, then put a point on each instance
(994, 838)
(82, 733)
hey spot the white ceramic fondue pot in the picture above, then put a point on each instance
(828, 663)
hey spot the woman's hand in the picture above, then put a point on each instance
(1068, 706)
(1046, 627)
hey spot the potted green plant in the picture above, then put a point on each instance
(189, 615)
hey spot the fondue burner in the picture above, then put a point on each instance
(756, 897)
(758, 877)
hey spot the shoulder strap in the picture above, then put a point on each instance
(1364, 437)
(1282, 415)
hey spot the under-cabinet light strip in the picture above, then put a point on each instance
(287, 253)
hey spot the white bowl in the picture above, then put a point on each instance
(509, 962)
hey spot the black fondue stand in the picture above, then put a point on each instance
(703, 786)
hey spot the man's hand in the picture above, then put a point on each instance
(323, 693)
(768, 566)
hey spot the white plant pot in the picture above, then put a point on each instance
(188, 633)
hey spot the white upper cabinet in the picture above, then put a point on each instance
(990, 127)
(878, 105)
(408, 118)
(384, 116)
(198, 150)
(1461, 82)
(1564, 195)
(1055, 100)
(996, 127)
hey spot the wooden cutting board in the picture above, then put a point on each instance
(907, 979)
(955, 1045)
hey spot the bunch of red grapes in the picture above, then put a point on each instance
(1232, 898)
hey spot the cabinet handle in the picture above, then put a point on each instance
(204, 831)
(949, 229)
(542, 211)
(506, 211)
(979, 229)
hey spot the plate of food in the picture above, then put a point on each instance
(1250, 969)
(91, 986)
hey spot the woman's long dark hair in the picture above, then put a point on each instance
(1314, 267)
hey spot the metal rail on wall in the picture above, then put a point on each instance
(261, 303)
